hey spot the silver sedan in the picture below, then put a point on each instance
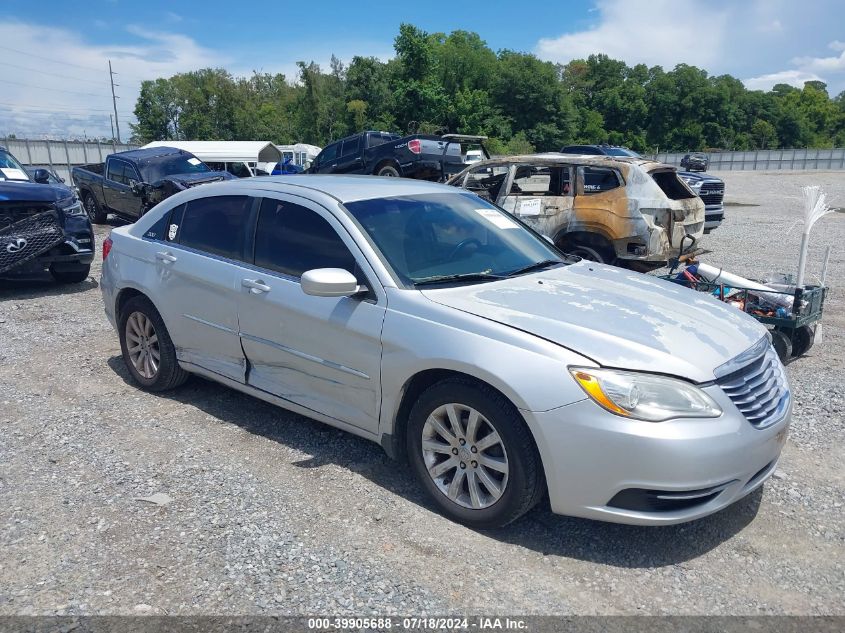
(422, 317)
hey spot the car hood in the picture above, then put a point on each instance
(12, 191)
(615, 317)
(698, 175)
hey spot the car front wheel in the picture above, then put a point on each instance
(147, 350)
(473, 453)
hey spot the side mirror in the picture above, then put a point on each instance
(330, 282)
(137, 187)
(41, 176)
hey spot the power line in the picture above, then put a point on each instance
(56, 61)
(73, 92)
(45, 72)
(29, 106)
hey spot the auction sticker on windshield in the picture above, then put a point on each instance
(497, 218)
(14, 174)
(194, 161)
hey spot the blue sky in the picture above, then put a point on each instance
(53, 73)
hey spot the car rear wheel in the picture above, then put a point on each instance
(92, 208)
(147, 350)
(473, 453)
(591, 252)
(391, 171)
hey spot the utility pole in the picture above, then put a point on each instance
(111, 122)
(114, 102)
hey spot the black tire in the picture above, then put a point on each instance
(782, 344)
(93, 209)
(168, 374)
(590, 252)
(70, 277)
(525, 483)
(391, 171)
(802, 340)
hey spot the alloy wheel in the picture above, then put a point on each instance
(142, 345)
(465, 456)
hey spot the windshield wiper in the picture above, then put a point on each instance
(535, 266)
(484, 275)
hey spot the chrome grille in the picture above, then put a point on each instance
(758, 389)
(712, 193)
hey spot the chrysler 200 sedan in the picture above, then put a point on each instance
(422, 317)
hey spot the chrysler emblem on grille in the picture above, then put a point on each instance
(16, 246)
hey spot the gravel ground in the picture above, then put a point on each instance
(269, 512)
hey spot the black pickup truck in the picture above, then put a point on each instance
(130, 183)
(42, 226)
(421, 156)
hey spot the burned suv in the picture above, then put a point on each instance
(629, 211)
(42, 226)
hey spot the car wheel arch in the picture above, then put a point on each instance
(393, 440)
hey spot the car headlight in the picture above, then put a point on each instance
(71, 206)
(645, 397)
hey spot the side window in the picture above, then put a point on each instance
(329, 154)
(599, 179)
(542, 180)
(130, 173)
(291, 239)
(487, 181)
(115, 173)
(215, 225)
(351, 147)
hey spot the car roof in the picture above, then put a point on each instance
(150, 152)
(344, 188)
(577, 159)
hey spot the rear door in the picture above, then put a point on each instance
(601, 202)
(199, 280)
(322, 353)
(114, 184)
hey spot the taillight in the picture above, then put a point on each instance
(415, 146)
(106, 247)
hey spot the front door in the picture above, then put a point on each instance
(541, 195)
(199, 281)
(323, 353)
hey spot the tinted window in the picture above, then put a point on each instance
(216, 225)
(598, 179)
(116, 171)
(292, 239)
(487, 181)
(329, 154)
(351, 147)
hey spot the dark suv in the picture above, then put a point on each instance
(42, 226)
(709, 188)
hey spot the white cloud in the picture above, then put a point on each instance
(792, 77)
(766, 40)
(653, 32)
(54, 86)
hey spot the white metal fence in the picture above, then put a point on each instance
(771, 159)
(60, 156)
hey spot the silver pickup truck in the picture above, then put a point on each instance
(629, 211)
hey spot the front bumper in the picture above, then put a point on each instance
(713, 217)
(699, 466)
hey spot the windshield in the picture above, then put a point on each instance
(162, 166)
(11, 169)
(436, 237)
(621, 151)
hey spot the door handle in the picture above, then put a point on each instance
(167, 258)
(256, 286)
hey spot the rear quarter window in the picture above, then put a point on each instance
(671, 185)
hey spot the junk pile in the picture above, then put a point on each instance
(792, 309)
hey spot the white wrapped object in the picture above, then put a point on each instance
(767, 293)
(815, 206)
